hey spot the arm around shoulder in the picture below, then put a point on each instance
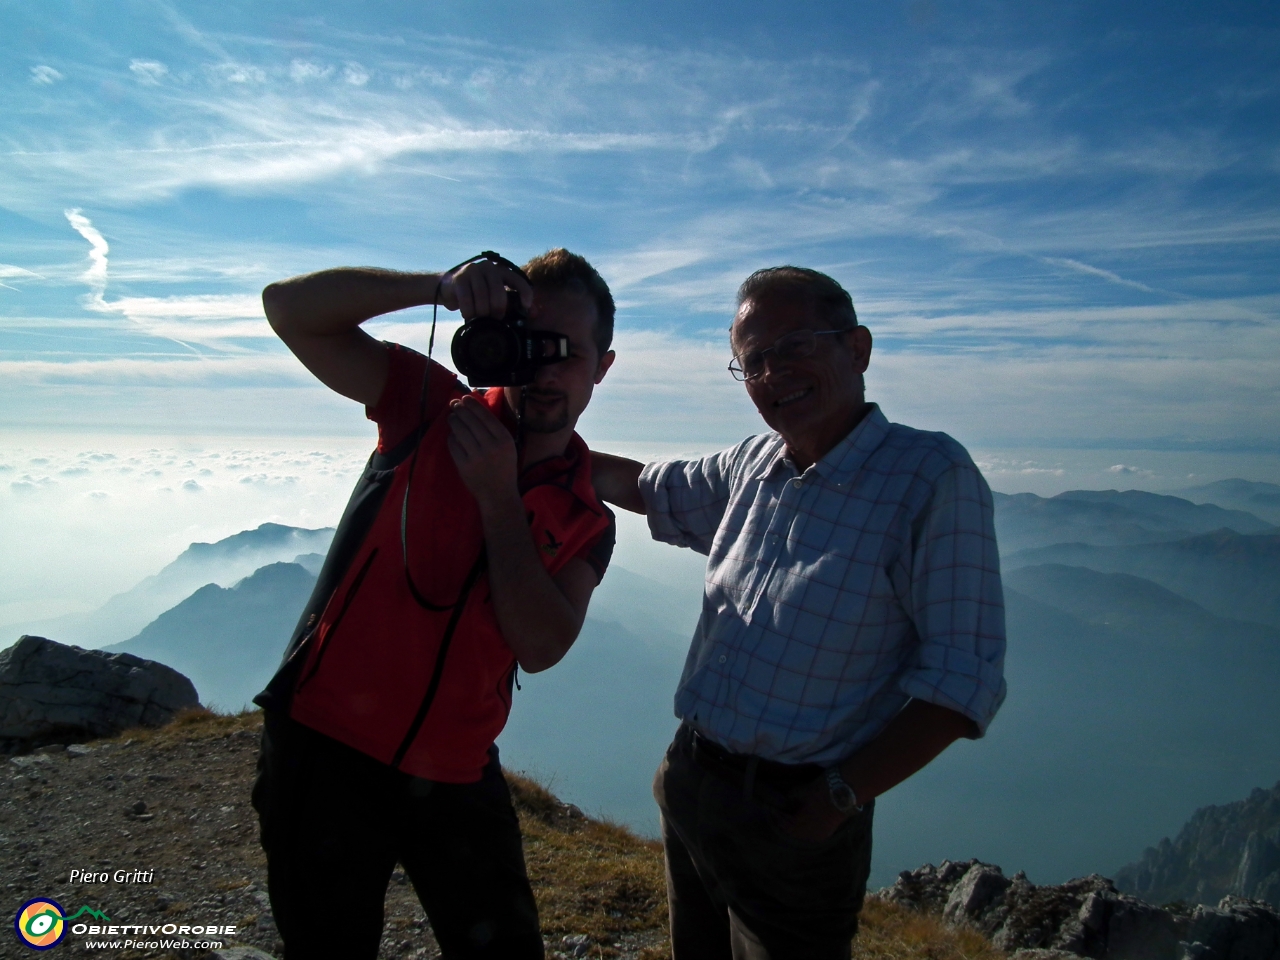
(617, 481)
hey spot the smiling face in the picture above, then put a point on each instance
(814, 401)
(561, 391)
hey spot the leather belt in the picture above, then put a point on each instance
(748, 771)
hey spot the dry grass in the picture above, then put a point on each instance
(193, 723)
(589, 877)
(890, 931)
(602, 880)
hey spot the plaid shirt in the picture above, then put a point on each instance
(835, 595)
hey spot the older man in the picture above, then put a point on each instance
(852, 628)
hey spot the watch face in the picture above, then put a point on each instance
(844, 798)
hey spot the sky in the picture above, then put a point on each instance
(1060, 222)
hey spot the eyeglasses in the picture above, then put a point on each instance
(793, 346)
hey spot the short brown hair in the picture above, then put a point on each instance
(829, 300)
(559, 269)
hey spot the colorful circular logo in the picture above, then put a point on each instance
(40, 923)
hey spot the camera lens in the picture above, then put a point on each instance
(491, 348)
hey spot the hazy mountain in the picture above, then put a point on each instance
(1229, 574)
(638, 602)
(1130, 605)
(229, 640)
(596, 725)
(1260, 499)
(1230, 849)
(1110, 518)
(224, 562)
(311, 562)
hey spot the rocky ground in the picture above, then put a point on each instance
(155, 828)
(167, 813)
(1085, 917)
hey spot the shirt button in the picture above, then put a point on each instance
(797, 482)
(723, 658)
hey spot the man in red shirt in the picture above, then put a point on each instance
(470, 547)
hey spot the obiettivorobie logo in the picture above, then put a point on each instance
(41, 924)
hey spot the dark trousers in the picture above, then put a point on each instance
(738, 886)
(334, 824)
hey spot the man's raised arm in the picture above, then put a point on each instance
(616, 480)
(318, 315)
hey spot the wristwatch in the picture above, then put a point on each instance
(842, 796)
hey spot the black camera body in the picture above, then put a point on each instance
(503, 351)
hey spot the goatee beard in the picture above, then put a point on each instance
(553, 424)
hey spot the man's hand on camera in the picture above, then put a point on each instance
(479, 289)
(484, 451)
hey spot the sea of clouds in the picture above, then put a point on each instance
(84, 517)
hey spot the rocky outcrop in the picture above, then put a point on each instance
(1086, 917)
(1229, 850)
(53, 693)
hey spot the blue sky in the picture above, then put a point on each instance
(1060, 221)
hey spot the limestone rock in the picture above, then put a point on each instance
(1233, 849)
(1086, 917)
(981, 885)
(52, 693)
(1238, 929)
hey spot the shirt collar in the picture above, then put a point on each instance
(845, 459)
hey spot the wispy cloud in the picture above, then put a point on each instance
(96, 275)
(44, 75)
(220, 371)
(10, 272)
(191, 318)
(302, 71)
(148, 72)
(1098, 272)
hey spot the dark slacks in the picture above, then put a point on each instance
(738, 886)
(334, 824)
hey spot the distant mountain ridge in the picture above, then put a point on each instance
(1124, 602)
(1260, 499)
(224, 562)
(1110, 518)
(1230, 574)
(228, 640)
(1233, 849)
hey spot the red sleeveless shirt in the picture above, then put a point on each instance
(427, 690)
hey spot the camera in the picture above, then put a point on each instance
(504, 352)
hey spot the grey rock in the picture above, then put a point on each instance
(242, 953)
(1086, 917)
(51, 693)
(1259, 871)
(31, 760)
(79, 750)
(1227, 850)
(981, 885)
(1237, 929)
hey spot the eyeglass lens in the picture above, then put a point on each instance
(793, 346)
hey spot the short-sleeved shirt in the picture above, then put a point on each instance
(834, 595)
